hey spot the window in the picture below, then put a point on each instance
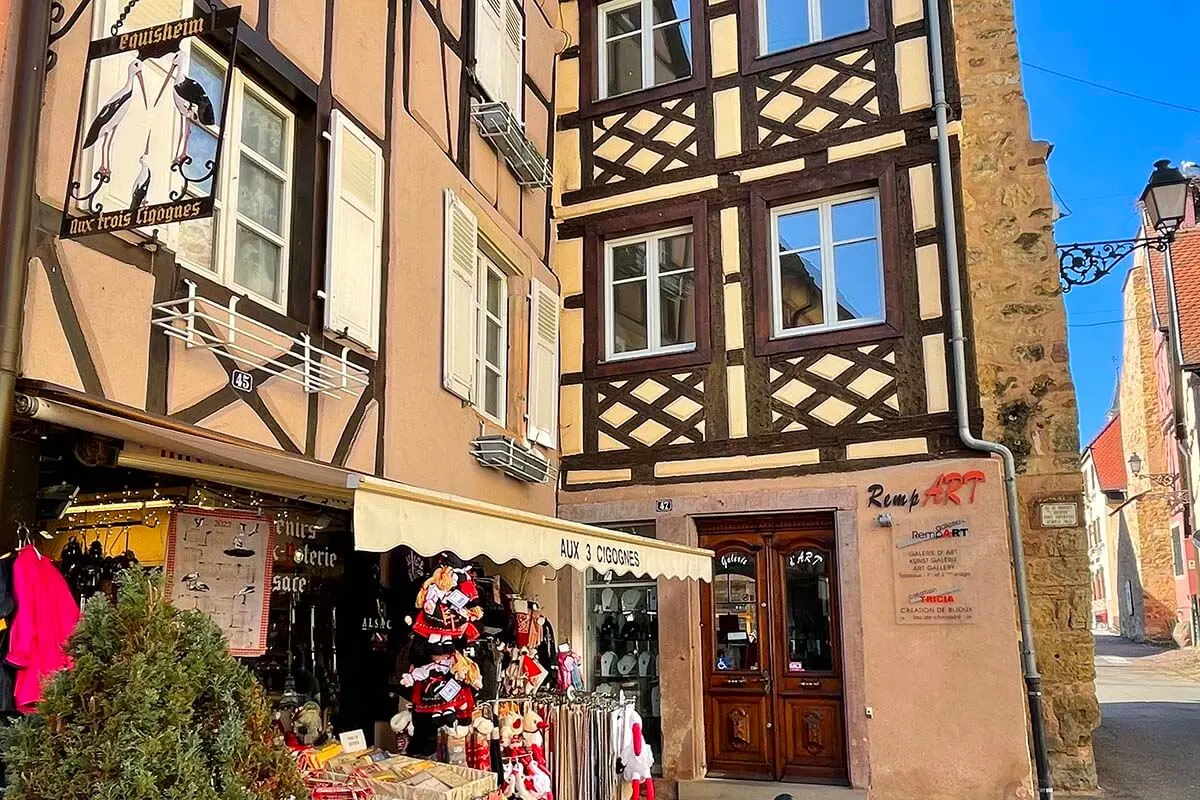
(1177, 549)
(643, 43)
(245, 244)
(826, 265)
(492, 348)
(788, 24)
(650, 305)
(499, 50)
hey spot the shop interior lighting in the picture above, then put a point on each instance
(130, 505)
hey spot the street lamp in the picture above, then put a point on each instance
(1135, 464)
(1166, 479)
(1165, 203)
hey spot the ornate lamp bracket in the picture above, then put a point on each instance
(1085, 263)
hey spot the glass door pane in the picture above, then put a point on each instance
(808, 611)
(735, 594)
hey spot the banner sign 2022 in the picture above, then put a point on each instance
(151, 118)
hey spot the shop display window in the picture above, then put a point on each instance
(622, 631)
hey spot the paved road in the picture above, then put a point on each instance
(1148, 746)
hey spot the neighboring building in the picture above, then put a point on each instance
(1182, 444)
(755, 359)
(1104, 480)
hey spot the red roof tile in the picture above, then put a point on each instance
(1108, 454)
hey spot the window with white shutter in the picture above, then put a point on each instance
(499, 51)
(459, 312)
(354, 245)
(542, 426)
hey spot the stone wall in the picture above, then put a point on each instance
(1151, 570)
(1019, 333)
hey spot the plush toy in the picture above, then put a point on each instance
(308, 723)
(402, 726)
(570, 676)
(635, 760)
(449, 606)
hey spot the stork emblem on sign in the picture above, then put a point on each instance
(132, 165)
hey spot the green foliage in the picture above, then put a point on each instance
(154, 708)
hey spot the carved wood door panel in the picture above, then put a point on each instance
(772, 653)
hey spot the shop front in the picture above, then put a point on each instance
(858, 631)
(382, 618)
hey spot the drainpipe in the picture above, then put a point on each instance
(1033, 680)
(16, 213)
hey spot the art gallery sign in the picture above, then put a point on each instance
(146, 114)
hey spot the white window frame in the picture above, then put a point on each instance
(829, 293)
(487, 267)
(225, 187)
(815, 32)
(654, 345)
(645, 33)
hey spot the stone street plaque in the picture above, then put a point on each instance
(1058, 514)
(934, 574)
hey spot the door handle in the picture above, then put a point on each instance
(766, 684)
(735, 681)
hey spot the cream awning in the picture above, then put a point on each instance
(388, 514)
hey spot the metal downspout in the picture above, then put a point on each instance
(16, 215)
(1033, 680)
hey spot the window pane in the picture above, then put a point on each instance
(855, 220)
(495, 294)
(808, 611)
(263, 130)
(840, 17)
(859, 284)
(629, 261)
(204, 71)
(256, 263)
(735, 608)
(493, 342)
(624, 65)
(786, 25)
(491, 394)
(623, 20)
(800, 231)
(202, 147)
(675, 252)
(801, 290)
(260, 196)
(196, 242)
(629, 317)
(671, 10)
(672, 53)
(677, 309)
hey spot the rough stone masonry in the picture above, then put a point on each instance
(1019, 332)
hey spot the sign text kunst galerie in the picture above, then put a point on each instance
(139, 159)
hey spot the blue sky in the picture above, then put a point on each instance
(1105, 145)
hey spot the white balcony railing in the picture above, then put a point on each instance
(497, 124)
(228, 334)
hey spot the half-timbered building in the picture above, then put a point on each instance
(756, 359)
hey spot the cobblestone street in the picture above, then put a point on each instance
(1150, 705)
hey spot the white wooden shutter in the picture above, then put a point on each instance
(354, 243)
(489, 30)
(512, 66)
(542, 426)
(459, 315)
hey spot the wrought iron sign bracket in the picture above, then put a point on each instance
(59, 29)
(1085, 263)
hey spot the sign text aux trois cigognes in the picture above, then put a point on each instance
(140, 158)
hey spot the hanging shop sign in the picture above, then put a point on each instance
(149, 134)
(219, 562)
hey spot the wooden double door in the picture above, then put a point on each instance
(772, 650)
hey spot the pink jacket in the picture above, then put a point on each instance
(46, 615)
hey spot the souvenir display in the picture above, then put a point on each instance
(636, 759)
(570, 676)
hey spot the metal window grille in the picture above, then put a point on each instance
(513, 459)
(497, 124)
